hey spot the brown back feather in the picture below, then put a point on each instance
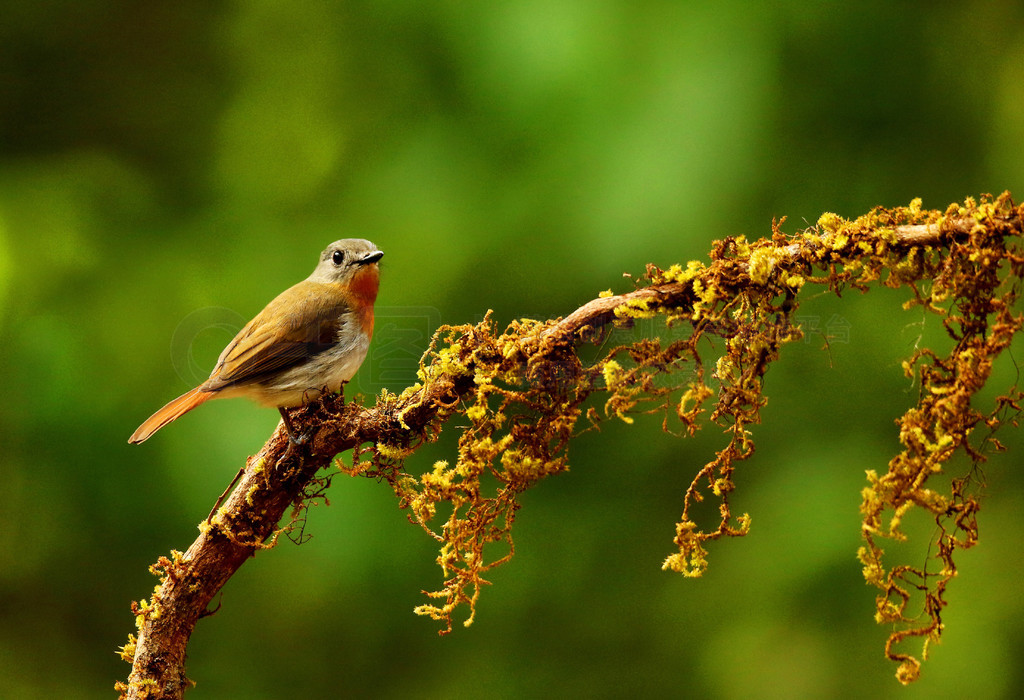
(300, 323)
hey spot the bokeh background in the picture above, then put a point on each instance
(167, 168)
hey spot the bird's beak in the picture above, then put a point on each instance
(371, 257)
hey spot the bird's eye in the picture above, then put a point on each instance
(338, 257)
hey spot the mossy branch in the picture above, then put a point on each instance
(525, 392)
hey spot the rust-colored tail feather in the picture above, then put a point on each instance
(175, 409)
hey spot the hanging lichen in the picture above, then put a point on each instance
(527, 392)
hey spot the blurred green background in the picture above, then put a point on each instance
(166, 169)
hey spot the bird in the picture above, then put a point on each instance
(309, 340)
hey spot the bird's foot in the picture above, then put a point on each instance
(295, 440)
(294, 437)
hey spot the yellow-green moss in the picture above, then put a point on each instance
(730, 314)
(762, 263)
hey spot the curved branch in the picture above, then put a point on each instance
(280, 475)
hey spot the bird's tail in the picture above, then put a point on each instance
(175, 409)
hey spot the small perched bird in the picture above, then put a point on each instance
(310, 339)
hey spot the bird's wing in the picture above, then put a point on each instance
(289, 331)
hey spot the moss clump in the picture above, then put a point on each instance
(522, 393)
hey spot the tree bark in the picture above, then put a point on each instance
(280, 474)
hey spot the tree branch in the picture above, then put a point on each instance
(282, 475)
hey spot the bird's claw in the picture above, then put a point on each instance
(300, 439)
